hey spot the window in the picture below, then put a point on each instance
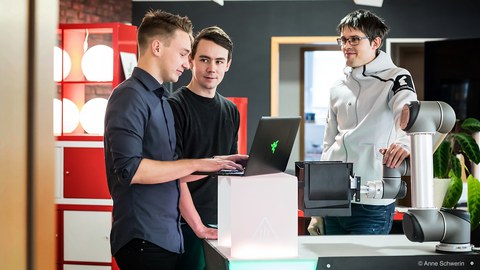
(321, 69)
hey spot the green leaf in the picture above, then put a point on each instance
(473, 201)
(456, 166)
(471, 124)
(441, 160)
(469, 146)
(454, 191)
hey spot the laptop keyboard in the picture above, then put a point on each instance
(232, 172)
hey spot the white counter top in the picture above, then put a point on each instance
(372, 252)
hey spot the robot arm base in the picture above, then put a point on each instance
(449, 226)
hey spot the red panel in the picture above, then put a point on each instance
(84, 173)
(242, 105)
(114, 264)
(77, 137)
(73, 42)
(398, 215)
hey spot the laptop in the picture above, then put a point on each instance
(271, 147)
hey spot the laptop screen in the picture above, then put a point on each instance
(272, 145)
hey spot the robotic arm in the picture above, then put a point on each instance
(392, 186)
(427, 123)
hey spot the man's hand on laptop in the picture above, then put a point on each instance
(216, 164)
(237, 158)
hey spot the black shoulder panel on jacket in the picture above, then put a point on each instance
(402, 82)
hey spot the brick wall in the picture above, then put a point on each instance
(95, 11)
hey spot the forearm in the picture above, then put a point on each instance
(155, 172)
(188, 210)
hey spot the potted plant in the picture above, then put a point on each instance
(446, 164)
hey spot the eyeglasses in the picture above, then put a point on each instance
(353, 41)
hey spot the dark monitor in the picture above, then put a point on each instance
(452, 75)
(324, 187)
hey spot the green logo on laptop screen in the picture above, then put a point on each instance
(274, 146)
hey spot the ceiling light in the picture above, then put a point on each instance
(373, 3)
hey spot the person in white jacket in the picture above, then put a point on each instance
(363, 124)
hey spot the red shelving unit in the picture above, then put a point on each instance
(83, 201)
(78, 40)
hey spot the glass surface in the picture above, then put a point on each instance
(322, 69)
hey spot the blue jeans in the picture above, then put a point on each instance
(365, 219)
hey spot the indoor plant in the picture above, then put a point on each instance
(447, 165)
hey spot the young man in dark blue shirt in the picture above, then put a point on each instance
(142, 168)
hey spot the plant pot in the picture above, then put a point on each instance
(440, 187)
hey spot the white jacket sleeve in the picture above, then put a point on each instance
(403, 92)
(331, 129)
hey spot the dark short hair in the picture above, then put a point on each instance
(215, 34)
(159, 23)
(365, 21)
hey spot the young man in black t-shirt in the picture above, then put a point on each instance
(141, 164)
(206, 124)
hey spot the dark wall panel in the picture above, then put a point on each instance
(251, 24)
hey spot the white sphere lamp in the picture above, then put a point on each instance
(58, 54)
(92, 116)
(57, 117)
(97, 63)
(70, 116)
